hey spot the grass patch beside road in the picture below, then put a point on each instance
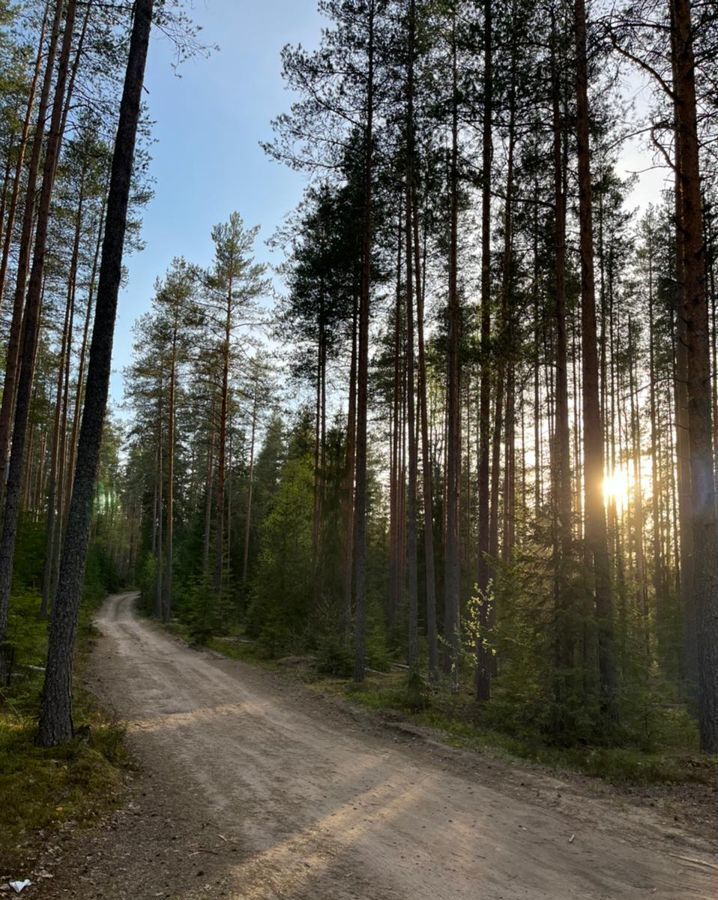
(458, 722)
(43, 788)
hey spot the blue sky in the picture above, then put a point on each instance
(207, 160)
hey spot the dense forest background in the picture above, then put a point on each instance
(469, 427)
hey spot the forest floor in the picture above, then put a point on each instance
(253, 786)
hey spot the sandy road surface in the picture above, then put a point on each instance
(252, 792)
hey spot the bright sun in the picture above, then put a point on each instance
(615, 488)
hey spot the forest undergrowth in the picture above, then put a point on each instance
(44, 789)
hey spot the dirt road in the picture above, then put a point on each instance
(254, 789)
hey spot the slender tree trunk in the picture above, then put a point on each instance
(54, 511)
(596, 536)
(537, 447)
(413, 645)
(452, 573)
(360, 500)
(319, 442)
(483, 658)
(638, 524)
(171, 429)
(208, 492)
(55, 725)
(21, 150)
(160, 558)
(250, 491)
(561, 455)
(505, 364)
(80, 388)
(349, 478)
(427, 475)
(6, 179)
(222, 448)
(395, 528)
(509, 467)
(656, 486)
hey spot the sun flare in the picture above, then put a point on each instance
(615, 488)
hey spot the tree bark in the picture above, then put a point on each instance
(171, 402)
(426, 464)
(55, 725)
(360, 500)
(349, 469)
(561, 448)
(483, 661)
(452, 573)
(596, 536)
(54, 511)
(222, 447)
(694, 314)
(21, 149)
(250, 491)
(413, 643)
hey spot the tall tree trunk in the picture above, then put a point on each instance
(349, 465)
(360, 499)
(21, 149)
(596, 536)
(222, 448)
(80, 387)
(683, 451)
(54, 513)
(638, 524)
(55, 725)
(427, 475)
(395, 524)
(208, 491)
(561, 455)
(413, 645)
(250, 490)
(319, 442)
(159, 477)
(656, 485)
(694, 313)
(483, 657)
(171, 429)
(452, 573)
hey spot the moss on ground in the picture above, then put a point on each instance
(42, 788)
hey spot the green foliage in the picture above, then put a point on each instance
(675, 760)
(29, 555)
(282, 586)
(416, 693)
(335, 656)
(77, 781)
(379, 654)
(199, 611)
(146, 582)
(404, 693)
(101, 576)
